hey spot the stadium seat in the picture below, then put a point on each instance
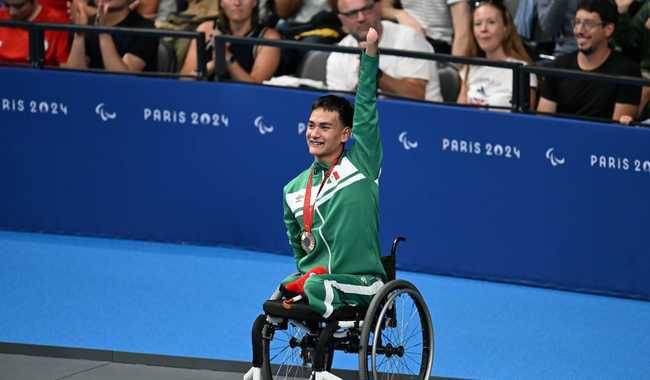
(314, 65)
(449, 82)
(166, 58)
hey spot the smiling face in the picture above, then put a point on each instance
(590, 31)
(489, 28)
(357, 16)
(326, 135)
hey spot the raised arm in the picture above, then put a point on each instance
(367, 150)
(77, 58)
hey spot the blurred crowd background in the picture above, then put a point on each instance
(593, 36)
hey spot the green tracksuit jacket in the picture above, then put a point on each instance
(346, 216)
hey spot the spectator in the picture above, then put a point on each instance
(407, 77)
(14, 42)
(445, 23)
(633, 36)
(118, 52)
(309, 21)
(547, 23)
(594, 25)
(188, 17)
(494, 38)
(244, 62)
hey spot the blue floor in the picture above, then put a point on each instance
(199, 301)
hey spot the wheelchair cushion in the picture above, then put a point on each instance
(302, 312)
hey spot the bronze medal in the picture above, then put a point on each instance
(307, 241)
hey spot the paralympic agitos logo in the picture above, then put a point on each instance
(406, 143)
(103, 114)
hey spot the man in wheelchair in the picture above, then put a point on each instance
(331, 214)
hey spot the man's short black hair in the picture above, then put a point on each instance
(606, 9)
(334, 103)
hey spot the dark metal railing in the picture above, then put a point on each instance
(36, 38)
(220, 42)
(520, 73)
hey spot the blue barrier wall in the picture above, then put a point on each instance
(481, 194)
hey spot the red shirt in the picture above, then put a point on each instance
(14, 42)
(58, 5)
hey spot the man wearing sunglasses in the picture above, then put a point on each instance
(14, 42)
(593, 26)
(404, 77)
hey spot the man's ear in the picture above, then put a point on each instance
(609, 30)
(347, 132)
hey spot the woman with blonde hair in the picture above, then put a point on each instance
(495, 38)
(244, 62)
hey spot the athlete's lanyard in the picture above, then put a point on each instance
(307, 209)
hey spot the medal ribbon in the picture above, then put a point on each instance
(307, 210)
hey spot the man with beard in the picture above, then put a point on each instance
(593, 26)
(117, 52)
(406, 77)
(14, 42)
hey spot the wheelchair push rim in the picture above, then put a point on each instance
(397, 339)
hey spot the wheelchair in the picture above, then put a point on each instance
(393, 336)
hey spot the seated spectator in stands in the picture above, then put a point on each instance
(494, 38)
(310, 21)
(244, 62)
(406, 77)
(445, 23)
(547, 24)
(632, 35)
(14, 42)
(594, 25)
(118, 52)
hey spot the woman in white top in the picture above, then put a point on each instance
(495, 38)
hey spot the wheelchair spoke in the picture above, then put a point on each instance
(285, 351)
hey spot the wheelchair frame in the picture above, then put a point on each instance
(372, 333)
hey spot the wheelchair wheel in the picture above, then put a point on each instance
(397, 336)
(289, 353)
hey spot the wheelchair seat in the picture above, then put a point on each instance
(302, 312)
